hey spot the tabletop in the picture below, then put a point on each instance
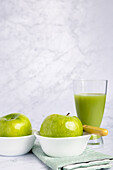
(30, 161)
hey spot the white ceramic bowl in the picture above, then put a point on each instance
(14, 146)
(60, 147)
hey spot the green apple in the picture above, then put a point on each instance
(56, 125)
(15, 125)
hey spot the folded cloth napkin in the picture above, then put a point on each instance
(89, 160)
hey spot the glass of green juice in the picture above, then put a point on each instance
(90, 98)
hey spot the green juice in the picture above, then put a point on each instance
(90, 108)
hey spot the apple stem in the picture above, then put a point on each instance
(68, 114)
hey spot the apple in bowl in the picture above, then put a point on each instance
(62, 136)
(16, 135)
(15, 125)
(56, 125)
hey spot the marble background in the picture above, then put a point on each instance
(44, 46)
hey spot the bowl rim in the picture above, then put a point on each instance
(19, 137)
(61, 138)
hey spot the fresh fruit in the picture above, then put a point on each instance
(15, 125)
(57, 125)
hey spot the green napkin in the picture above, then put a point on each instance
(89, 160)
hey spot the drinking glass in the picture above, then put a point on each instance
(90, 98)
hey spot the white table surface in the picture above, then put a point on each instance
(31, 162)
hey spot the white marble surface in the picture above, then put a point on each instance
(44, 45)
(29, 161)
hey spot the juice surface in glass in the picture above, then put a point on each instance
(90, 107)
